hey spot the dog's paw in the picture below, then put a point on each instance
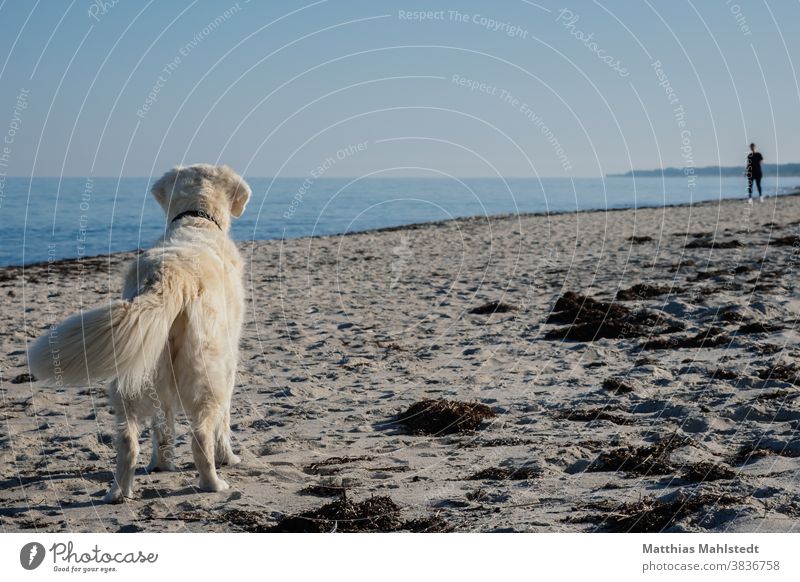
(115, 495)
(214, 486)
(232, 459)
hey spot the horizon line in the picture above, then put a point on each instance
(619, 174)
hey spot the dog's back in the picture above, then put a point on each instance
(204, 267)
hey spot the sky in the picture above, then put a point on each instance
(339, 88)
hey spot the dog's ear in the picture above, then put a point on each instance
(162, 189)
(237, 190)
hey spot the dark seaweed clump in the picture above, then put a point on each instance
(645, 460)
(506, 474)
(589, 319)
(22, 379)
(323, 491)
(592, 414)
(730, 316)
(709, 338)
(723, 374)
(492, 307)
(707, 471)
(617, 386)
(651, 515)
(439, 417)
(243, 520)
(751, 452)
(758, 327)
(786, 241)
(502, 442)
(332, 465)
(780, 372)
(376, 514)
(373, 514)
(711, 243)
(641, 291)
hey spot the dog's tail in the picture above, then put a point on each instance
(123, 339)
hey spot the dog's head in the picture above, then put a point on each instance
(217, 190)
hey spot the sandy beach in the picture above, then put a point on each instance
(638, 367)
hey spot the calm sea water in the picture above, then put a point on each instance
(71, 217)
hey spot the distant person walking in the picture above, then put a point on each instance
(753, 173)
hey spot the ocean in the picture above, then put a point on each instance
(58, 218)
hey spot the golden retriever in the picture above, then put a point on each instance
(172, 341)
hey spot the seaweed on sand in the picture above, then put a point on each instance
(591, 414)
(651, 515)
(332, 464)
(707, 471)
(376, 514)
(439, 417)
(505, 474)
(706, 243)
(321, 490)
(22, 378)
(709, 338)
(589, 319)
(723, 374)
(758, 327)
(573, 307)
(492, 307)
(642, 291)
(780, 372)
(792, 240)
(645, 460)
(617, 386)
(244, 520)
(751, 452)
(502, 442)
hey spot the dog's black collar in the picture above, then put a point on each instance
(198, 214)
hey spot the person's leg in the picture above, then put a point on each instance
(749, 186)
(758, 185)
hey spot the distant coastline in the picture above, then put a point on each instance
(724, 171)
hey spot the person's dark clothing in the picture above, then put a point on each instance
(754, 164)
(753, 172)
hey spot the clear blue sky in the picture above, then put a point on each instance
(276, 88)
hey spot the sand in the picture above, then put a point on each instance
(344, 333)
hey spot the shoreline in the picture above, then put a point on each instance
(411, 226)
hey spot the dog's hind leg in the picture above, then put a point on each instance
(163, 457)
(224, 450)
(128, 418)
(206, 419)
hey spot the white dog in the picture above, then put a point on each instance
(173, 339)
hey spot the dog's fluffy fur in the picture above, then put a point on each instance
(172, 340)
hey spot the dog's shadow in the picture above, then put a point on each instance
(99, 477)
(22, 481)
(145, 494)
